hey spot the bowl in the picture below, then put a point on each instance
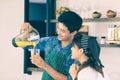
(111, 14)
(96, 15)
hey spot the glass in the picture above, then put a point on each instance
(81, 7)
(85, 9)
(35, 51)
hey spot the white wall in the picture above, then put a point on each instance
(11, 59)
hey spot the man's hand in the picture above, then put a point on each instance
(38, 61)
(26, 27)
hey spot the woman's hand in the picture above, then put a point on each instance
(74, 68)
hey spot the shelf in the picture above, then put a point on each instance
(112, 42)
(94, 20)
(102, 20)
(110, 45)
(35, 69)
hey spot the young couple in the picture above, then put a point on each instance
(69, 55)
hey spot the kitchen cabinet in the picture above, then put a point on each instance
(36, 13)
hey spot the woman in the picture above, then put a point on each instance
(86, 50)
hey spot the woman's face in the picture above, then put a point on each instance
(76, 52)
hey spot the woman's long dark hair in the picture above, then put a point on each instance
(91, 61)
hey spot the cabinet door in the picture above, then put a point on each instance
(38, 15)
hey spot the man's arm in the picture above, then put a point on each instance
(38, 61)
(56, 75)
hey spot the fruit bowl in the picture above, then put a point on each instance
(111, 14)
(96, 14)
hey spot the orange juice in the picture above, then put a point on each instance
(28, 43)
(25, 43)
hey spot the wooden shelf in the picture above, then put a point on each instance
(35, 69)
(94, 20)
(110, 45)
(102, 20)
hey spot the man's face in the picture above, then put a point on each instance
(63, 32)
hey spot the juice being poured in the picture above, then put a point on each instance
(25, 43)
(28, 36)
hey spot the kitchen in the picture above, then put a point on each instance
(12, 16)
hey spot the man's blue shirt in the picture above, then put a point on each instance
(47, 43)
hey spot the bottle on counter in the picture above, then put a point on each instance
(117, 33)
(111, 33)
(103, 40)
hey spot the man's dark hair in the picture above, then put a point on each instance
(71, 20)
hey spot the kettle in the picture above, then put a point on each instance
(28, 36)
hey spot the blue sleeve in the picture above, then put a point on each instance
(42, 43)
(68, 64)
(76, 62)
(69, 77)
(71, 61)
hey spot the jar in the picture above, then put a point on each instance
(117, 33)
(103, 39)
(111, 33)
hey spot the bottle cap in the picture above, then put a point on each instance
(103, 37)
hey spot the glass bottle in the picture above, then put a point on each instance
(103, 40)
(111, 33)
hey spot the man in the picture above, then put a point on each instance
(58, 48)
